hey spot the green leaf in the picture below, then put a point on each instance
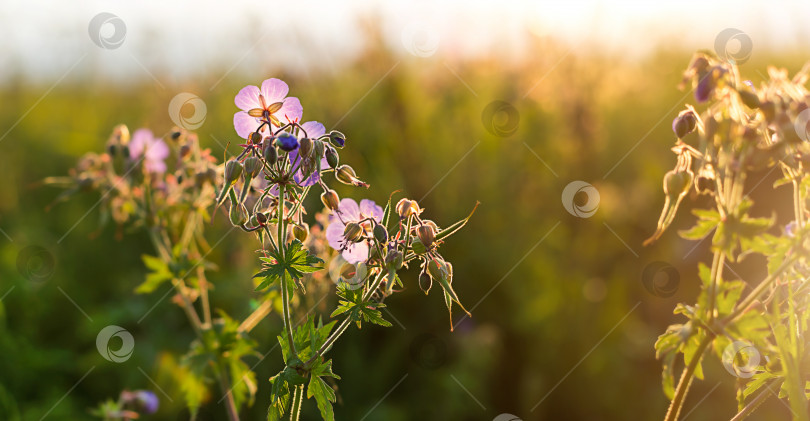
(358, 310)
(324, 396)
(296, 261)
(159, 274)
(707, 221)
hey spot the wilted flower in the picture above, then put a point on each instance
(349, 212)
(270, 103)
(154, 150)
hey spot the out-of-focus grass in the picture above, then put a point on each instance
(559, 311)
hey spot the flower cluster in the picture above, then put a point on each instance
(130, 406)
(742, 131)
(169, 186)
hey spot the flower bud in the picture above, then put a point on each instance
(238, 214)
(425, 282)
(233, 169)
(750, 99)
(677, 183)
(417, 246)
(347, 271)
(253, 166)
(305, 147)
(345, 174)
(317, 149)
(300, 232)
(185, 151)
(261, 218)
(269, 153)
(380, 233)
(426, 235)
(353, 232)
(684, 123)
(287, 141)
(330, 199)
(337, 138)
(406, 208)
(256, 112)
(437, 269)
(331, 156)
(254, 138)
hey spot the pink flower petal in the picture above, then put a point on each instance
(140, 140)
(244, 124)
(370, 209)
(349, 210)
(155, 166)
(290, 111)
(313, 129)
(274, 90)
(334, 234)
(247, 98)
(157, 151)
(356, 253)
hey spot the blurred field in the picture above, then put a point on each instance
(560, 316)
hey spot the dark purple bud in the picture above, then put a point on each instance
(337, 138)
(704, 87)
(684, 123)
(287, 141)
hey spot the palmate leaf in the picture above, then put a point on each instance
(321, 391)
(295, 263)
(359, 310)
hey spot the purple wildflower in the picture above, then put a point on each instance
(350, 212)
(314, 130)
(790, 229)
(273, 91)
(148, 401)
(154, 150)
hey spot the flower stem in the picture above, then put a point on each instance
(344, 324)
(230, 404)
(298, 396)
(285, 298)
(686, 380)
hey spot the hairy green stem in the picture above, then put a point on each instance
(225, 384)
(344, 324)
(686, 380)
(298, 397)
(285, 298)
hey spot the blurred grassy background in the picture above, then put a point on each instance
(560, 313)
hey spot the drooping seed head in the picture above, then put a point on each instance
(330, 199)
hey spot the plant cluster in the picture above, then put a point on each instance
(172, 188)
(759, 332)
